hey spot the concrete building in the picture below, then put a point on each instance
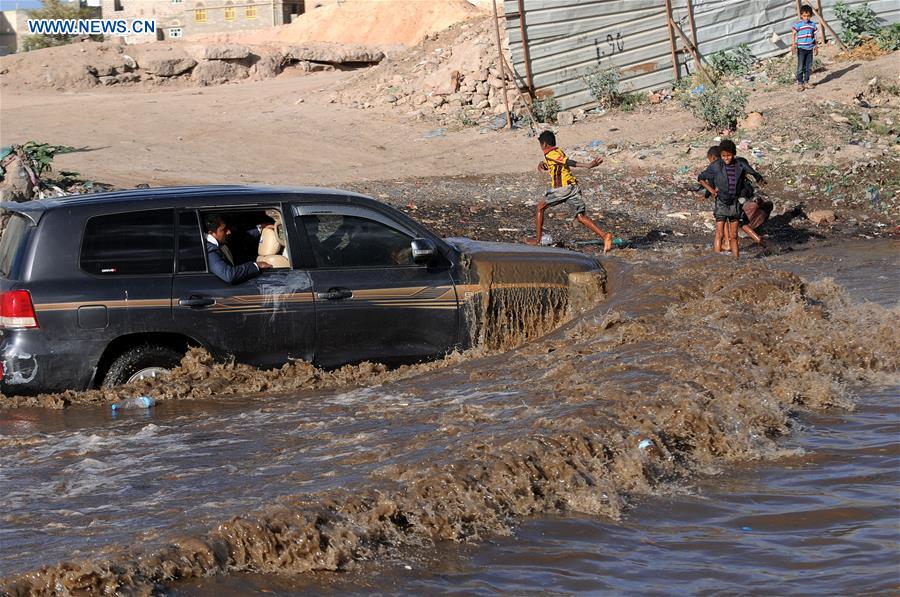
(185, 18)
(12, 30)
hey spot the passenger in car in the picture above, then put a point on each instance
(219, 257)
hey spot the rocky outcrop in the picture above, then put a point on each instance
(226, 52)
(217, 72)
(334, 53)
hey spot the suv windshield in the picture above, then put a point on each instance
(12, 243)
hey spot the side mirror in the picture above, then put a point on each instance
(423, 251)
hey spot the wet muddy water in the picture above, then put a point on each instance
(519, 471)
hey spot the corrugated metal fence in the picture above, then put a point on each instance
(566, 38)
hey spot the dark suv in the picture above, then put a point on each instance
(103, 289)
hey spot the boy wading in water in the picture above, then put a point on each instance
(803, 41)
(565, 189)
(754, 212)
(726, 179)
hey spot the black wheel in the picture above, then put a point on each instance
(146, 360)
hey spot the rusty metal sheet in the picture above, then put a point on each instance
(567, 38)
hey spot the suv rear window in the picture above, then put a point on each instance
(12, 243)
(134, 243)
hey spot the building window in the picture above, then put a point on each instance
(117, 5)
(174, 32)
(176, 1)
(250, 13)
(200, 15)
(229, 13)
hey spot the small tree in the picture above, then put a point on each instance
(55, 9)
(856, 23)
(734, 62)
(718, 106)
(603, 83)
(545, 109)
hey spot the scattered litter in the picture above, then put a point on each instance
(509, 230)
(435, 133)
(873, 196)
(684, 170)
(595, 144)
(746, 528)
(620, 242)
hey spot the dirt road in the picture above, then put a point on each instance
(259, 133)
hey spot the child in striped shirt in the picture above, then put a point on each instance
(803, 41)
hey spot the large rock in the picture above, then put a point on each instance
(216, 72)
(266, 66)
(16, 184)
(565, 118)
(226, 52)
(753, 121)
(335, 53)
(166, 61)
(821, 216)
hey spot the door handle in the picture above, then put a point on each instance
(197, 302)
(334, 294)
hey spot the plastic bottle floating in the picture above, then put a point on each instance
(134, 403)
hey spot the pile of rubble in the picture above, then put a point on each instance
(455, 73)
(88, 64)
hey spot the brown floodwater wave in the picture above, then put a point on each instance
(692, 362)
(510, 298)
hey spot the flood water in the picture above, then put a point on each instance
(516, 472)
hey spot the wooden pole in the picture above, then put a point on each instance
(526, 54)
(799, 4)
(690, 7)
(692, 49)
(675, 68)
(819, 5)
(827, 26)
(502, 70)
(517, 79)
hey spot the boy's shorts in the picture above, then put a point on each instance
(727, 210)
(570, 195)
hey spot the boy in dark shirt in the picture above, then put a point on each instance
(726, 181)
(754, 212)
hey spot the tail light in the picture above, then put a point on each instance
(16, 310)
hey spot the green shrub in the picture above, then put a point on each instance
(734, 62)
(465, 118)
(603, 83)
(856, 23)
(545, 109)
(42, 155)
(55, 9)
(718, 106)
(629, 101)
(889, 37)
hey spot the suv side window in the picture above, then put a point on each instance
(352, 241)
(190, 243)
(133, 243)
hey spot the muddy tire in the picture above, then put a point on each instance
(146, 358)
